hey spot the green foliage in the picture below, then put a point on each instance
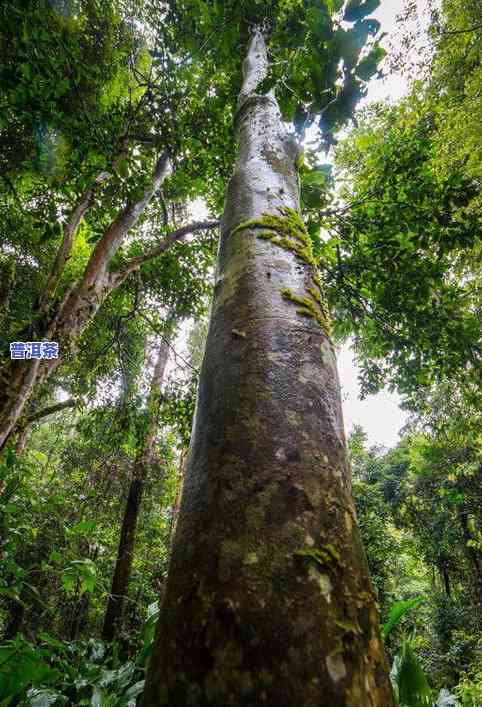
(81, 574)
(52, 672)
(406, 279)
(469, 689)
(59, 72)
(455, 84)
(409, 680)
(417, 546)
(406, 286)
(397, 611)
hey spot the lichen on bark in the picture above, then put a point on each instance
(289, 232)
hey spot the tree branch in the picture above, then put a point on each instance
(113, 237)
(49, 410)
(84, 203)
(23, 428)
(93, 280)
(118, 276)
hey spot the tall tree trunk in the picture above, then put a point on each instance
(268, 599)
(125, 552)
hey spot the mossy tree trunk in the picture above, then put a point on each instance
(125, 553)
(268, 599)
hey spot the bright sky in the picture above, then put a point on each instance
(379, 415)
(394, 86)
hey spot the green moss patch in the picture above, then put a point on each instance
(288, 231)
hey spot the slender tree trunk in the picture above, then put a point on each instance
(268, 599)
(472, 553)
(15, 619)
(446, 580)
(125, 552)
(177, 501)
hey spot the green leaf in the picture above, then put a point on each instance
(397, 611)
(85, 526)
(44, 698)
(368, 66)
(83, 571)
(357, 9)
(316, 177)
(409, 679)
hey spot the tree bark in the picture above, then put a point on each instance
(120, 581)
(446, 580)
(268, 599)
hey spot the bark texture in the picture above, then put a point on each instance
(125, 553)
(268, 599)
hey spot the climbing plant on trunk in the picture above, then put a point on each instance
(268, 599)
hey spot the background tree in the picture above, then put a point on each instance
(112, 179)
(405, 243)
(142, 466)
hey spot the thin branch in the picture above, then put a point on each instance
(50, 410)
(119, 275)
(461, 31)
